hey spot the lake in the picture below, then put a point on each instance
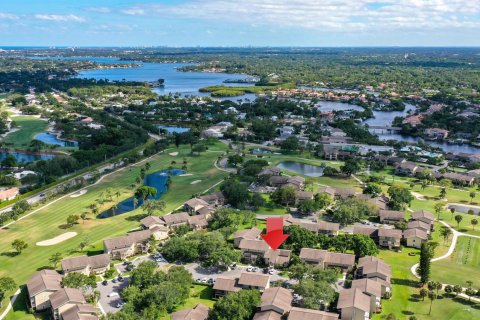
(157, 180)
(302, 168)
(26, 157)
(173, 129)
(50, 138)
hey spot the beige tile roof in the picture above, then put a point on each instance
(390, 233)
(278, 297)
(195, 202)
(200, 312)
(423, 214)
(327, 256)
(376, 267)
(309, 314)
(254, 280)
(368, 231)
(279, 256)
(150, 221)
(391, 215)
(44, 280)
(353, 298)
(418, 224)
(368, 286)
(175, 218)
(66, 295)
(75, 263)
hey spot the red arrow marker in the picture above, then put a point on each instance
(274, 236)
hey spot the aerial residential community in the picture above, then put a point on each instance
(205, 160)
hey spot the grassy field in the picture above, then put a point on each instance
(465, 261)
(198, 294)
(49, 222)
(29, 127)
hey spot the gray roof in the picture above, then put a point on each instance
(200, 312)
(278, 297)
(309, 314)
(127, 241)
(42, 281)
(368, 286)
(419, 233)
(353, 298)
(81, 262)
(254, 280)
(66, 295)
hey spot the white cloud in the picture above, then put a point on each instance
(134, 11)
(326, 15)
(8, 16)
(58, 17)
(99, 9)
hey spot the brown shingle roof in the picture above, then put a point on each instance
(368, 286)
(391, 215)
(127, 241)
(278, 297)
(200, 312)
(376, 267)
(66, 295)
(252, 244)
(226, 284)
(309, 314)
(252, 233)
(267, 315)
(80, 312)
(417, 224)
(423, 214)
(353, 298)
(327, 256)
(390, 233)
(175, 218)
(150, 221)
(254, 280)
(44, 280)
(75, 263)
(368, 231)
(419, 233)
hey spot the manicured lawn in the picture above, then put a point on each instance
(48, 222)
(462, 265)
(406, 301)
(198, 294)
(28, 127)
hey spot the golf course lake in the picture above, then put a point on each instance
(50, 138)
(173, 129)
(25, 157)
(302, 168)
(157, 180)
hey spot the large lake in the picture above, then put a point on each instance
(302, 168)
(25, 157)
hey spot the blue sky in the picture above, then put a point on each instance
(240, 23)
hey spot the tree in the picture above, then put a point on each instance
(84, 243)
(257, 201)
(79, 280)
(424, 265)
(457, 289)
(444, 184)
(314, 293)
(235, 192)
(364, 246)
(432, 296)
(284, 196)
(290, 144)
(72, 219)
(423, 293)
(372, 189)
(448, 289)
(350, 167)
(199, 148)
(352, 210)
(144, 192)
(55, 259)
(236, 306)
(322, 199)
(83, 216)
(400, 197)
(307, 206)
(474, 222)
(19, 245)
(472, 196)
(452, 210)
(438, 209)
(445, 232)
(153, 206)
(235, 160)
(6, 284)
(459, 219)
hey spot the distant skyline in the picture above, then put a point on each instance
(183, 23)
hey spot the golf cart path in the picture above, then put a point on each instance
(455, 234)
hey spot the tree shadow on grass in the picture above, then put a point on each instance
(408, 312)
(9, 254)
(64, 226)
(415, 298)
(465, 302)
(43, 268)
(405, 282)
(137, 217)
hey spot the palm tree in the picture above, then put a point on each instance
(452, 210)
(117, 194)
(432, 296)
(55, 259)
(445, 233)
(135, 202)
(474, 222)
(438, 209)
(423, 293)
(459, 219)
(147, 166)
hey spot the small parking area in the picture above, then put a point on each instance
(109, 304)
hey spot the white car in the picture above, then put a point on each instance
(112, 294)
(249, 269)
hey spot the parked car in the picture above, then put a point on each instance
(113, 294)
(249, 269)
(120, 278)
(114, 280)
(105, 282)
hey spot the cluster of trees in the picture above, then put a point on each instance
(210, 249)
(19, 208)
(227, 221)
(7, 284)
(299, 238)
(237, 195)
(350, 210)
(152, 294)
(287, 195)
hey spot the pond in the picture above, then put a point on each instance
(157, 180)
(173, 129)
(464, 208)
(50, 138)
(302, 168)
(261, 151)
(25, 157)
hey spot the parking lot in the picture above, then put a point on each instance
(109, 304)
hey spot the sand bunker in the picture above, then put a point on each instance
(57, 239)
(196, 181)
(173, 154)
(78, 194)
(185, 175)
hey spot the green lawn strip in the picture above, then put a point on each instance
(28, 128)
(461, 266)
(46, 223)
(405, 300)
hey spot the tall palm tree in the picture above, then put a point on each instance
(432, 296)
